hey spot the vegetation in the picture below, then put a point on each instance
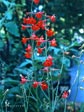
(39, 41)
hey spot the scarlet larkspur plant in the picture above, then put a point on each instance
(36, 1)
(37, 22)
(50, 32)
(53, 43)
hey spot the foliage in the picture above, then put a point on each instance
(26, 80)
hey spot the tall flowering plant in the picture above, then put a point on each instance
(37, 49)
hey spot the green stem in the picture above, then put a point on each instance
(46, 50)
(55, 101)
(65, 105)
(60, 74)
(38, 100)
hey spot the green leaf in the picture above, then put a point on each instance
(1, 22)
(7, 3)
(24, 71)
(14, 90)
(8, 14)
(65, 42)
(10, 81)
(65, 61)
(12, 28)
(1, 44)
(26, 62)
(55, 50)
(1, 91)
(23, 2)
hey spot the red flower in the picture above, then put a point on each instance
(24, 20)
(35, 84)
(41, 24)
(39, 15)
(34, 37)
(23, 27)
(23, 80)
(53, 18)
(53, 43)
(45, 69)
(49, 58)
(40, 41)
(50, 33)
(27, 55)
(48, 62)
(35, 27)
(44, 86)
(24, 40)
(40, 50)
(36, 1)
(29, 48)
(65, 94)
(29, 20)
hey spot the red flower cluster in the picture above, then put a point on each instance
(35, 27)
(43, 85)
(29, 20)
(33, 23)
(37, 22)
(40, 41)
(28, 53)
(48, 62)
